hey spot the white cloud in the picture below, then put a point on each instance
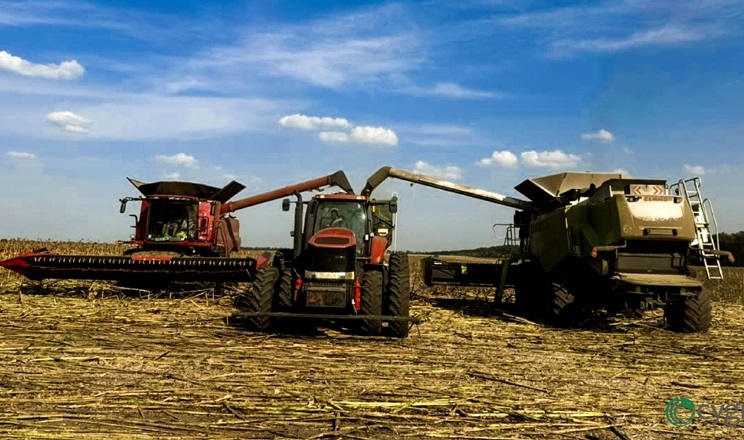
(448, 172)
(696, 170)
(69, 121)
(499, 158)
(622, 171)
(627, 150)
(602, 136)
(180, 159)
(374, 135)
(20, 155)
(304, 122)
(664, 36)
(454, 90)
(550, 159)
(341, 50)
(361, 134)
(64, 70)
(333, 136)
(173, 176)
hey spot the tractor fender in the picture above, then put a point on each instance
(378, 246)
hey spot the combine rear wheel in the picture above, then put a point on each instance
(259, 297)
(371, 302)
(691, 315)
(398, 295)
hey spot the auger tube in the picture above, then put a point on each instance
(384, 172)
(336, 179)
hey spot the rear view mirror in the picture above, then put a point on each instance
(393, 206)
(285, 205)
(123, 207)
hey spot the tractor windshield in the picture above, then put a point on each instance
(172, 220)
(349, 215)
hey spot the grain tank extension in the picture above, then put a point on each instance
(590, 241)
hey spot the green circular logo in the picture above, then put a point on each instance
(673, 406)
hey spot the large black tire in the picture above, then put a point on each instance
(371, 302)
(530, 289)
(692, 315)
(559, 307)
(258, 298)
(398, 294)
(283, 297)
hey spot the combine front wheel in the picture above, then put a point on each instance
(559, 308)
(258, 298)
(690, 315)
(398, 294)
(371, 302)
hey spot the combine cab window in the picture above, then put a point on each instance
(349, 215)
(171, 220)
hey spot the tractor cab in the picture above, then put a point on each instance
(365, 221)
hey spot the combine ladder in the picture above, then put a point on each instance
(706, 242)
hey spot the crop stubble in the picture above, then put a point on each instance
(93, 363)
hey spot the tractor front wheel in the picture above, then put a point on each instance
(371, 302)
(258, 298)
(690, 315)
(398, 296)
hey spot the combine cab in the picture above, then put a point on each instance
(186, 225)
(337, 269)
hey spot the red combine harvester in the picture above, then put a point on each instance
(337, 269)
(188, 222)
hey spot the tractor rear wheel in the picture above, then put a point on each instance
(398, 294)
(691, 315)
(371, 302)
(258, 298)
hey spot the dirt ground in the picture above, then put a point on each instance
(128, 367)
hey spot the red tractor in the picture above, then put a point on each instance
(337, 269)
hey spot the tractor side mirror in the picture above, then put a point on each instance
(285, 205)
(123, 207)
(291, 233)
(393, 206)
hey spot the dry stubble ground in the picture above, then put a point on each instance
(84, 361)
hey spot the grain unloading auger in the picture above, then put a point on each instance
(187, 224)
(590, 241)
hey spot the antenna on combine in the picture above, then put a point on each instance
(394, 195)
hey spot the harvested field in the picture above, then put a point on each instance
(82, 360)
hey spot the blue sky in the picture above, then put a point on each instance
(483, 92)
